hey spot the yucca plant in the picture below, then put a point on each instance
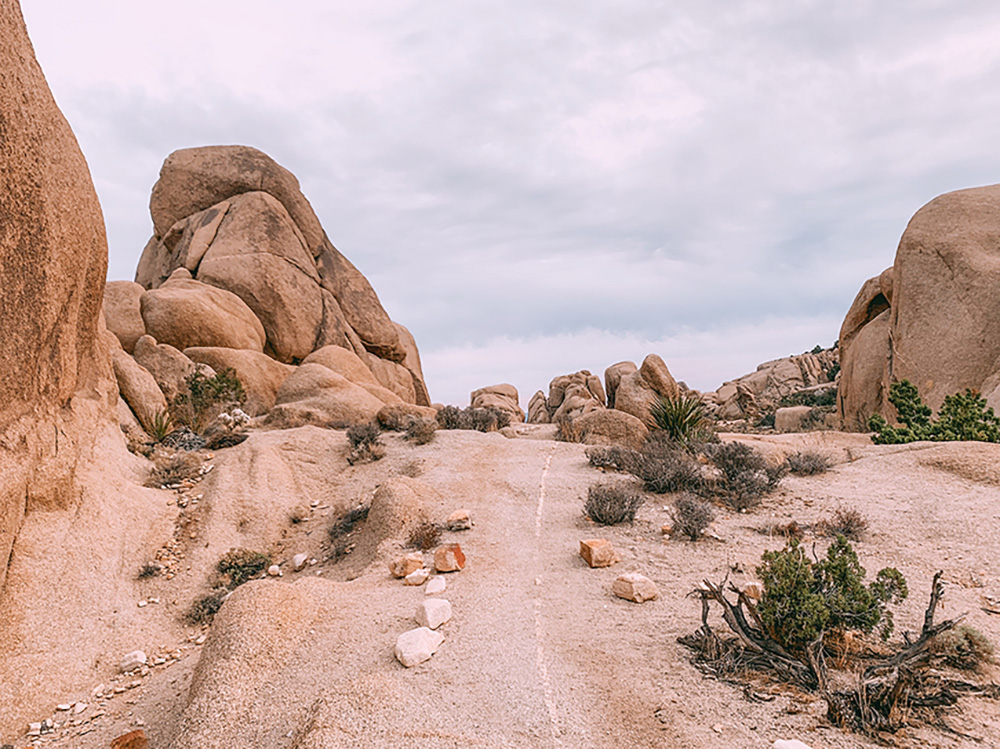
(162, 425)
(683, 418)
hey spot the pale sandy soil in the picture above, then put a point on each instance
(539, 653)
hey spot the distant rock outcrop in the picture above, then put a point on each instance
(569, 396)
(775, 381)
(637, 391)
(501, 397)
(931, 318)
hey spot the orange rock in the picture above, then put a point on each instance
(406, 564)
(598, 552)
(133, 740)
(449, 558)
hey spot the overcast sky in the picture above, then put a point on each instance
(539, 187)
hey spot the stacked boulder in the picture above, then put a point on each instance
(502, 397)
(240, 274)
(569, 396)
(930, 318)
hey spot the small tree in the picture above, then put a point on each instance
(963, 416)
(203, 398)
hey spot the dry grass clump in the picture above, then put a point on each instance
(664, 467)
(611, 504)
(614, 457)
(172, 468)
(788, 529)
(964, 648)
(425, 536)
(148, 570)
(366, 445)
(420, 431)
(691, 516)
(239, 565)
(744, 474)
(480, 419)
(204, 609)
(808, 463)
(848, 522)
(348, 521)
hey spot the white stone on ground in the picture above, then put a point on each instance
(433, 612)
(274, 570)
(135, 659)
(435, 586)
(417, 645)
(417, 577)
(635, 587)
(789, 744)
(299, 561)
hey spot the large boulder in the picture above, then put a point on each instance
(502, 397)
(569, 396)
(138, 387)
(864, 355)
(185, 313)
(775, 381)
(611, 427)
(636, 392)
(168, 366)
(343, 362)
(394, 377)
(260, 375)
(316, 395)
(613, 376)
(411, 361)
(121, 312)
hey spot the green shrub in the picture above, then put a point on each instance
(963, 416)
(684, 418)
(611, 504)
(804, 600)
(161, 426)
(240, 565)
(203, 398)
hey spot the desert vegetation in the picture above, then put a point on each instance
(479, 419)
(364, 443)
(963, 417)
(612, 503)
(683, 419)
(204, 398)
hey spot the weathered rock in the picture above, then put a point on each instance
(168, 366)
(502, 397)
(315, 395)
(796, 419)
(636, 392)
(394, 377)
(611, 427)
(569, 396)
(343, 362)
(186, 313)
(274, 570)
(449, 558)
(436, 586)
(397, 416)
(459, 520)
(537, 412)
(411, 361)
(789, 744)
(137, 386)
(121, 312)
(260, 375)
(764, 389)
(613, 377)
(598, 552)
(132, 740)
(132, 661)
(406, 564)
(417, 577)
(635, 587)
(299, 562)
(417, 645)
(433, 612)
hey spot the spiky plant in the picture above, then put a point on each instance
(683, 418)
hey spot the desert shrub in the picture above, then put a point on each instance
(450, 417)
(684, 418)
(963, 416)
(612, 456)
(804, 600)
(203, 398)
(833, 371)
(691, 516)
(182, 438)
(487, 419)
(240, 565)
(611, 504)
(807, 463)
(766, 421)
(161, 426)
(744, 474)
(148, 570)
(172, 468)
(365, 443)
(420, 431)
(848, 522)
(425, 536)
(204, 609)
(348, 521)
(964, 648)
(816, 398)
(666, 467)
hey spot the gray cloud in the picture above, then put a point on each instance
(518, 178)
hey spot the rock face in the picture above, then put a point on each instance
(569, 396)
(611, 427)
(929, 319)
(121, 312)
(56, 387)
(636, 392)
(502, 397)
(763, 389)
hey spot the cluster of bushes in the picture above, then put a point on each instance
(203, 398)
(479, 419)
(236, 567)
(963, 416)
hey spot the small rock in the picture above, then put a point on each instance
(299, 561)
(433, 612)
(754, 590)
(598, 552)
(717, 728)
(666, 529)
(406, 564)
(635, 587)
(98, 690)
(417, 645)
(417, 577)
(34, 729)
(79, 707)
(135, 659)
(63, 708)
(449, 558)
(459, 520)
(789, 744)
(132, 740)
(274, 570)
(141, 604)
(201, 640)
(435, 586)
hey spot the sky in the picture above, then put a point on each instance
(538, 188)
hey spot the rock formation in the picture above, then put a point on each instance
(569, 396)
(764, 389)
(637, 391)
(930, 318)
(501, 397)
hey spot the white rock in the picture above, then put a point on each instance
(635, 587)
(417, 645)
(274, 570)
(417, 577)
(34, 729)
(435, 586)
(433, 612)
(299, 561)
(63, 708)
(79, 707)
(789, 744)
(135, 659)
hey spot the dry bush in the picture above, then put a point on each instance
(848, 522)
(744, 474)
(789, 529)
(614, 457)
(450, 417)
(610, 504)
(488, 419)
(808, 463)
(420, 431)
(172, 468)
(413, 469)
(964, 648)
(691, 516)
(425, 536)
(665, 467)
(148, 570)
(366, 445)
(566, 431)
(204, 609)
(347, 522)
(240, 565)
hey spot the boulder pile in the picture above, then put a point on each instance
(240, 274)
